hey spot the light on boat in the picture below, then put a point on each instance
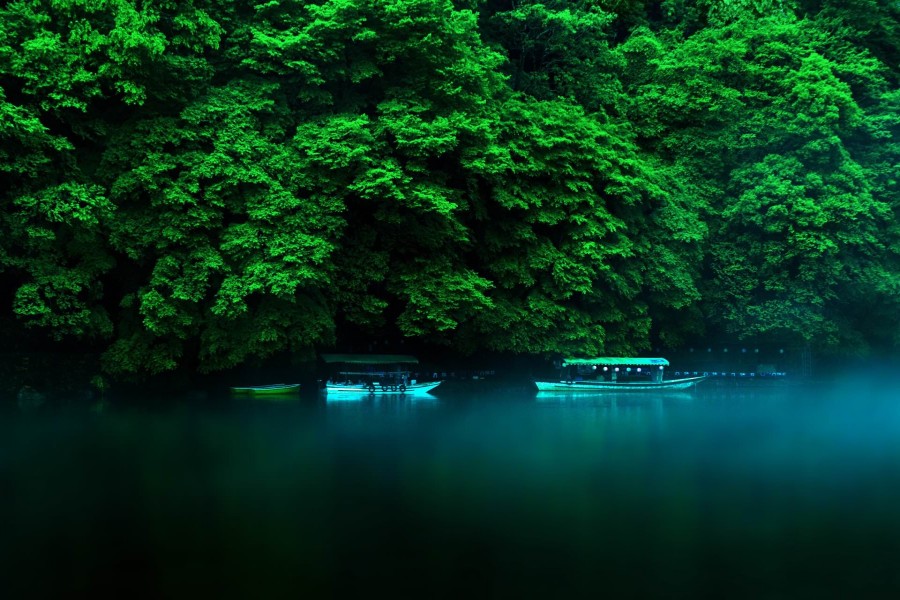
(594, 368)
(605, 368)
(617, 369)
(638, 369)
(660, 367)
(628, 369)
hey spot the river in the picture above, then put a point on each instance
(784, 492)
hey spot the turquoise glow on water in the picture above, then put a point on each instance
(783, 493)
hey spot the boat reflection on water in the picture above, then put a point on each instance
(386, 403)
(630, 422)
(384, 399)
(643, 398)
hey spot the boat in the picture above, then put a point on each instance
(374, 375)
(616, 375)
(275, 389)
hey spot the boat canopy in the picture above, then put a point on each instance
(370, 359)
(627, 361)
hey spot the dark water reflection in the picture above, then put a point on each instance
(784, 493)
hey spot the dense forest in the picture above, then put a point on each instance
(186, 184)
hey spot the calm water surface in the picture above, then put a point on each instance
(780, 493)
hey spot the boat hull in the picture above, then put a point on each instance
(605, 387)
(413, 389)
(278, 389)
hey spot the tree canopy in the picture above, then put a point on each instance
(191, 183)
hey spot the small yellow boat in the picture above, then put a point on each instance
(275, 389)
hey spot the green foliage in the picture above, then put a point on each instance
(55, 246)
(561, 48)
(768, 109)
(561, 234)
(234, 252)
(193, 183)
(67, 54)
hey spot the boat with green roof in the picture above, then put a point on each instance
(615, 374)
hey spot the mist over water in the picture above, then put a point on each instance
(787, 492)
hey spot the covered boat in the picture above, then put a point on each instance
(374, 374)
(615, 374)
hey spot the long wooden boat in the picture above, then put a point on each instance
(374, 375)
(615, 375)
(606, 386)
(275, 389)
(412, 389)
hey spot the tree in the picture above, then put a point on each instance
(764, 109)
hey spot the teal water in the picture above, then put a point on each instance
(740, 493)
